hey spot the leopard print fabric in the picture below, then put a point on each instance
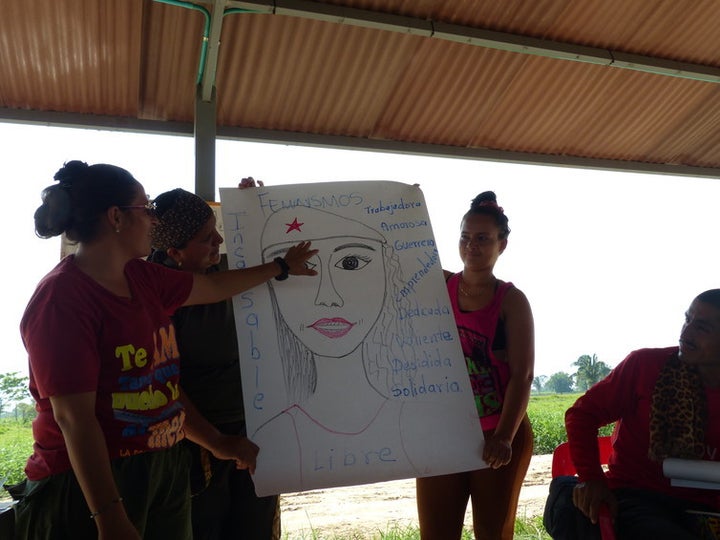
(679, 413)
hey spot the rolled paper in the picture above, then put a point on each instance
(697, 473)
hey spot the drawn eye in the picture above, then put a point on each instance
(310, 265)
(353, 262)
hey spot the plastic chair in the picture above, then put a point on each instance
(562, 465)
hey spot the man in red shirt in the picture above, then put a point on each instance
(666, 403)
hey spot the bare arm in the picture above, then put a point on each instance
(211, 288)
(85, 442)
(222, 446)
(520, 356)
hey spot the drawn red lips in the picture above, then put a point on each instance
(332, 328)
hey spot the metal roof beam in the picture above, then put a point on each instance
(459, 152)
(135, 125)
(95, 121)
(480, 37)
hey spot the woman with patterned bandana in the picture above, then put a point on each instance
(224, 504)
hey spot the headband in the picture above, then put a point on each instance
(179, 223)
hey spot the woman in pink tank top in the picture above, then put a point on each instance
(495, 325)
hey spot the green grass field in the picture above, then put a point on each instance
(546, 412)
(15, 447)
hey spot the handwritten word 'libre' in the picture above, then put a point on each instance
(329, 461)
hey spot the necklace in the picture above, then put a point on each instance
(480, 289)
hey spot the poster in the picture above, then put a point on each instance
(355, 375)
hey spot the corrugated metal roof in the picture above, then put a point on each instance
(280, 74)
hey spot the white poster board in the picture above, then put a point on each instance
(355, 375)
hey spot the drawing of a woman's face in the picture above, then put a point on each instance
(332, 314)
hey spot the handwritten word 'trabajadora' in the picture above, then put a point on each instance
(391, 208)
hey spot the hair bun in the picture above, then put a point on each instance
(53, 217)
(70, 171)
(484, 199)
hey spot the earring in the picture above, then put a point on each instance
(117, 229)
(179, 264)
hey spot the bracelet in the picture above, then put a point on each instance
(93, 515)
(284, 268)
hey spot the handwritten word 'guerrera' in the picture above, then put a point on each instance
(400, 245)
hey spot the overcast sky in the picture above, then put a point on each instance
(609, 261)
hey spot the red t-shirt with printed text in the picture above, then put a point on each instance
(80, 338)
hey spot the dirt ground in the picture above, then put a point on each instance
(367, 510)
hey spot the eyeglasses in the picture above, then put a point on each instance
(149, 208)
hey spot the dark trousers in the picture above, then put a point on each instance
(562, 520)
(645, 514)
(641, 514)
(224, 503)
(156, 494)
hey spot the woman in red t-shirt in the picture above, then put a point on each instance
(104, 368)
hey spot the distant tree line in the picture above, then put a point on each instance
(14, 397)
(14, 394)
(590, 370)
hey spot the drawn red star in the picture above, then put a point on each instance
(294, 226)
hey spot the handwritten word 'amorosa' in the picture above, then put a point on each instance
(389, 227)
